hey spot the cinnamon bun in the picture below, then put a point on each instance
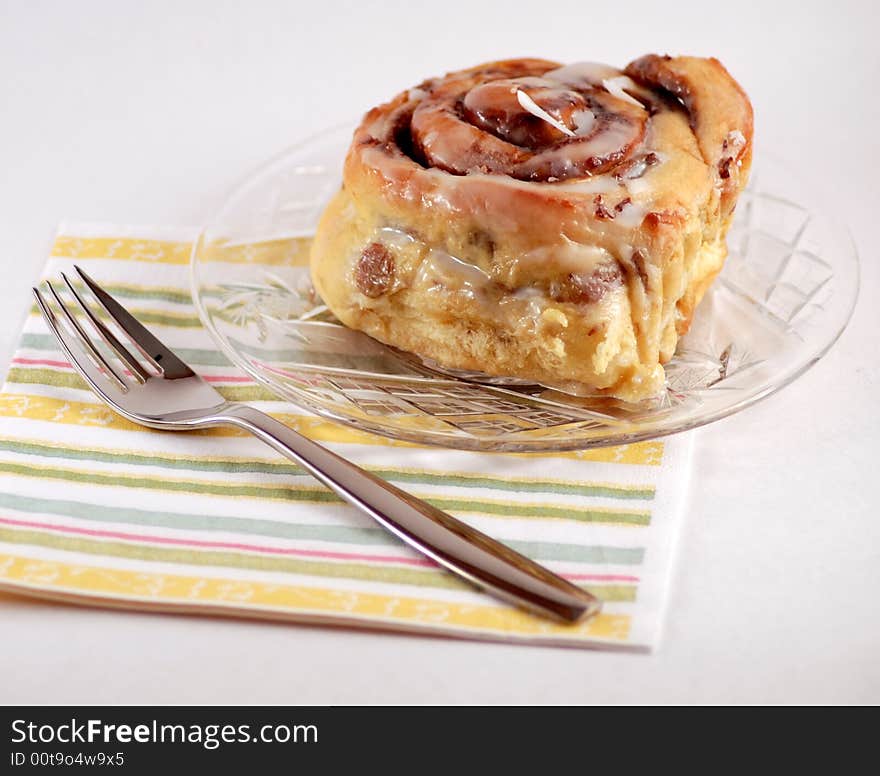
(521, 218)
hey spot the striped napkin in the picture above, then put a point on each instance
(96, 510)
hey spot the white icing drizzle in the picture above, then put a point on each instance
(608, 141)
(636, 186)
(583, 74)
(630, 215)
(584, 121)
(600, 184)
(568, 257)
(635, 180)
(735, 140)
(533, 300)
(527, 308)
(616, 86)
(594, 74)
(439, 267)
(636, 170)
(536, 110)
(396, 238)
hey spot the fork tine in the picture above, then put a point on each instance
(81, 337)
(152, 349)
(108, 336)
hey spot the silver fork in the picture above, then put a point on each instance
(172, 397)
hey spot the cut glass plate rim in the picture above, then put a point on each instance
(843, 259)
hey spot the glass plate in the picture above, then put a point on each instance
(787, 291)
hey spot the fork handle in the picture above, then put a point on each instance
(478, 558)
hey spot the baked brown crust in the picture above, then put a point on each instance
(555, 224)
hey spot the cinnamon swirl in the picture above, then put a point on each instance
(521, 218)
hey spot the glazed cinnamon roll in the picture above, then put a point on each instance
(521, 218)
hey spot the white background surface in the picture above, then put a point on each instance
(147, 112)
